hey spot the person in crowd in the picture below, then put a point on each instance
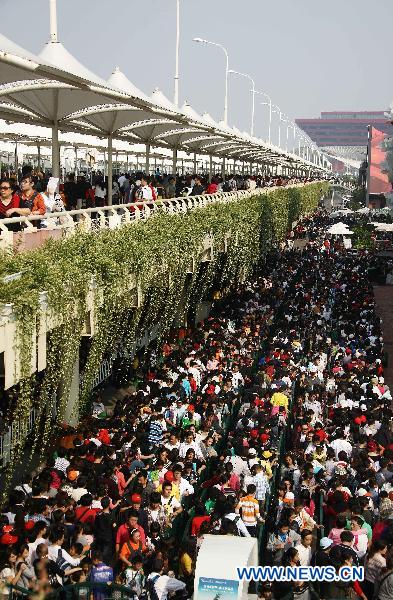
(292, 359)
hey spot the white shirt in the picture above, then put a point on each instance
(242, 529)
(184, 486)
(53, 552)
(237, 379)
(360, 544)
(77, 493)
(304, 555)
(173, 503)
(33, 549)
(145, 193)
(239, 465)
(339, 445)
(165, 584)
(193, 446)
(99, 192)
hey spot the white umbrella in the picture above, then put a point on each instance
(339, 229)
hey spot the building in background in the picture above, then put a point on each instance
(345, 134)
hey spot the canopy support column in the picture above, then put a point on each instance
(147, 160)
(210, 168)
(76, 160)
(55, 150)
(174, 162)
(110, 169)
(195, 163)
(39, 157)
(223, 168)
(16, 159)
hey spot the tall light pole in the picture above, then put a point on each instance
(253, 96)
(280, 114)
(269, 104)
(290, 125)
(202, 41)
(176, 98)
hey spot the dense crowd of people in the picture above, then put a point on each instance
(29, 194)
(292, 361)
(340, 458)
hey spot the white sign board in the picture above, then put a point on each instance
(216, 568)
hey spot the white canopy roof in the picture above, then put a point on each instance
(56, 87)
(56, 54)
(121, 82)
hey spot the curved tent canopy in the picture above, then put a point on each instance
(119, 81)
(80, 101)
(162, 101)
(56, 54)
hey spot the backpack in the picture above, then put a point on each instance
(61, 564)
(150, 586)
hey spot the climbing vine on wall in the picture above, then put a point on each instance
(156, 253)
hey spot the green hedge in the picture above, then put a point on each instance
(158, 252)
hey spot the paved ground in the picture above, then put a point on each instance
(384, 309)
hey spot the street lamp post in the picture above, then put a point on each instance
(280, 114)
(253, 96)
(269, 104)
(176, 98)
(200, 40)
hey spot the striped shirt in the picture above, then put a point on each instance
(261, 482)
(250, 510)
(155, 433)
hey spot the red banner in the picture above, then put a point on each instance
(378, 181)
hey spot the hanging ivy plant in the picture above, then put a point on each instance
(158, 254)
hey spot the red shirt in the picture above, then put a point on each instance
(123, 534)
(196, 524)
(84, 514)
(13, 204)
(212, 188)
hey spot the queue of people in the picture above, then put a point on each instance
(339, 462)
(29, 195)
(294, 355)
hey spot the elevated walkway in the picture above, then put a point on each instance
(96, 289)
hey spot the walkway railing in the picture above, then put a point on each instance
(76, 591)
(111, 217)
(17, 431)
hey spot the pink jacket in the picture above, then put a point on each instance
(334, 535)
